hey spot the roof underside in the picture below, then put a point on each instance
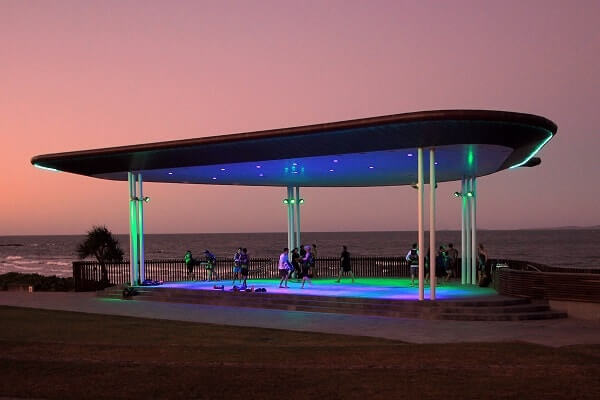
(368, 152)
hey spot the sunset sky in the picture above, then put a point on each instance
(81, 74)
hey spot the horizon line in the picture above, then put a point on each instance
(284, 232)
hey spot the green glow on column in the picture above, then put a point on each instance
(534, 152)
(292, 201)
(45, 168)
(286, 201)
(301, 201)
(470, 157)
(133, 231)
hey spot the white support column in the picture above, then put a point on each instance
(290, 216)
(297, 244)
(474, 231)
(133, 235)
(467, 230)
(420, 218)
(142, 271)
(432, 246)
(463, 233)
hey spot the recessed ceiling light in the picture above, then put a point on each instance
(294, 172)
(294, 163)
(371, 167)
(170, 173)
(261, 174)
(435, 163)
(331, 170)
(336, 160)
(258, 166)
(222, 169)
(410, 154)
(214, 177)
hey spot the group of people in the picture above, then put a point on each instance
(301, 266)
(209, 264)
(445, 262)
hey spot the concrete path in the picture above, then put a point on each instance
(560, 332)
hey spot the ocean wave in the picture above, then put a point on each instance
(26, 268)
(13, 258)
(27, 262)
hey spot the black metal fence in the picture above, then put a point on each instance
(88, 274)
(516, 278)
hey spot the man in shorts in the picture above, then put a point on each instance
(237, 266)
(209, 264)
(345, 264)
(284, 268)
(244, 263)
(189, 264)
(413, 259)
(452, 258)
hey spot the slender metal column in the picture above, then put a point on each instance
(432, 182)
(290, 216)
(474, 230)
(463, 234)
(133, 235)
(297, 244)
(142, 271)
(420, 217)
(467, 230)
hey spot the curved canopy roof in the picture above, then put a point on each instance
(375, 151)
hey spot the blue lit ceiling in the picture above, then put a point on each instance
(375, 151)
(378, 168)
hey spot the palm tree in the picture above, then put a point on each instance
(101, 244)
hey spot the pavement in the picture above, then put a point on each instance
(554, 333)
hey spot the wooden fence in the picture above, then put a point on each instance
(531, 280)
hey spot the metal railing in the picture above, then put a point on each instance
(88, 275)
(519, 278)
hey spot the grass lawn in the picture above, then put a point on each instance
(56, 354)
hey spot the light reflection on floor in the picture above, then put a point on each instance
(377, 288)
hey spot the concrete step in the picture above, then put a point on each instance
(482, 309)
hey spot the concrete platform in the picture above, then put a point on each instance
(369, 296)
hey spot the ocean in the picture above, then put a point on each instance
(52, 255)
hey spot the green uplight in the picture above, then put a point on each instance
(301, 201)
(292, 201)
(45, 168)
(533, 153)
(470, 157)
(286, 201)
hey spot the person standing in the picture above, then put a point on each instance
(302, 251)
(283, 268)
(210, 262)
(295, 264)
(345, 264)
(237, 266)
(413, 260)
(307, 265)
(441, 264)
(313, 250)
(245, 265)
(452, 258)
(482, 257)
(189, 264)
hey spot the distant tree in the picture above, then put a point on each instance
(101, 244)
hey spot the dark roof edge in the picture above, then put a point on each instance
(418, 116)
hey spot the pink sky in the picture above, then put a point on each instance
(78, 75)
